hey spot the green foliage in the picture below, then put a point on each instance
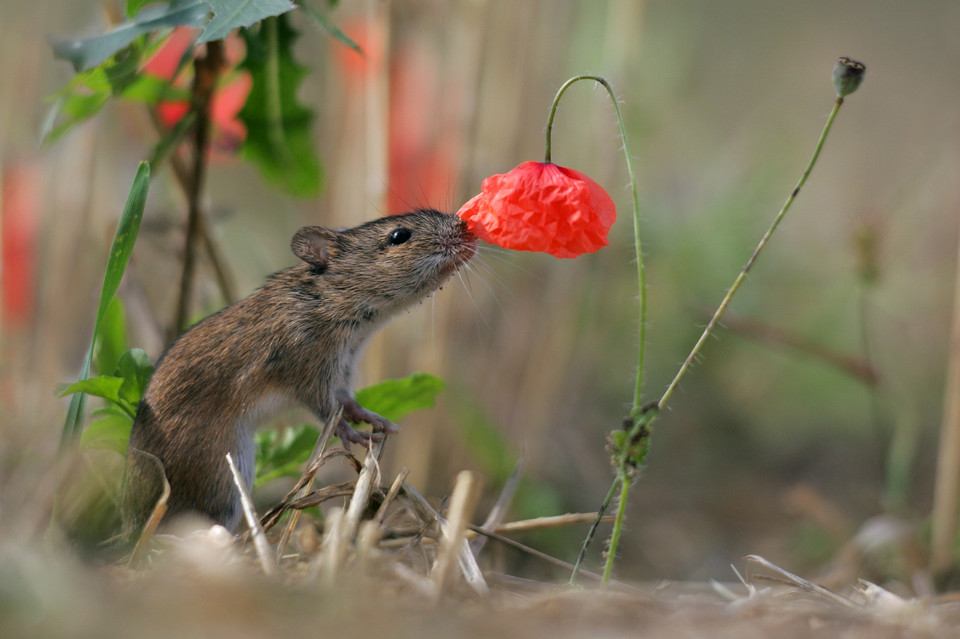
(119, 76)
(231, 14)
(112, 340)
(124, 388)
(280, 454)
(394, 398)
(279, 129)
(87, 53)
(122, 247)
(110, 432)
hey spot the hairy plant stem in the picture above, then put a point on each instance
(756, 252)
(636, 410)
(626, 463)
(206, 72)
(624, 471)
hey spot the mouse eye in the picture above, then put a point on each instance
(399, 236)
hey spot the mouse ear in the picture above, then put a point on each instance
(314, 245)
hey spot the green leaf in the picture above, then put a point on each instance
(149, 89)
(279, 129)
(90, 90)
(105, 386)
(327, 25)
(112, 340)
(124, 68)
(123, 242)
(232, 14)
(135, 369)
(88, 53)
(281, 454)
(77, 108)
(395, 398)
(111, 432)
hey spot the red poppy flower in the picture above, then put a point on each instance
(541, 207)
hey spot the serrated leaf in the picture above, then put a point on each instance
(233, 14)
(111, 432)
(394, 398)
(279, 129)
(90, 52)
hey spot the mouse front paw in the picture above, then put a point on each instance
(348, 435)
(356, 414)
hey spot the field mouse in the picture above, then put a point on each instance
(294, 340)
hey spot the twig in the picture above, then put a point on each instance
(534, 552)
(463, 501)
(343, 530)
(540, 523)
(311, 499)
(260, 542)
(206, 71)
(499, 509)
(947, 488)
(425, 512)
(391, 495)
(306, 481)
(182, 174)
(787, 577)
(857, 367)
(159, 509)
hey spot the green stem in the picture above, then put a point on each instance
(592, 532)
(743, 273)
(636, 412)
(624, 480)
(624, 474)
(635, 191)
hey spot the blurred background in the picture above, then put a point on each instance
(815, 411)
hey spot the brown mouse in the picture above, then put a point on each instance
(294, 340)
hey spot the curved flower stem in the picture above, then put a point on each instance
(638, 421)
(636, 410)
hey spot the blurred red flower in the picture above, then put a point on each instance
(227, 100)
(541, 207)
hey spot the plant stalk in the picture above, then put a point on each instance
(636, 410)
(206, 72)
(624, 473)
(624, 476)
(753, 258)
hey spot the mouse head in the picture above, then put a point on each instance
(389, 262)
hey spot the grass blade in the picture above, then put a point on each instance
(120, 251)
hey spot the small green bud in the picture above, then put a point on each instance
(847, 76)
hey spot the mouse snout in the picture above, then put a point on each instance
(461, 244)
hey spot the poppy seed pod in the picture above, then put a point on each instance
(847, 76)
(542, 207)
